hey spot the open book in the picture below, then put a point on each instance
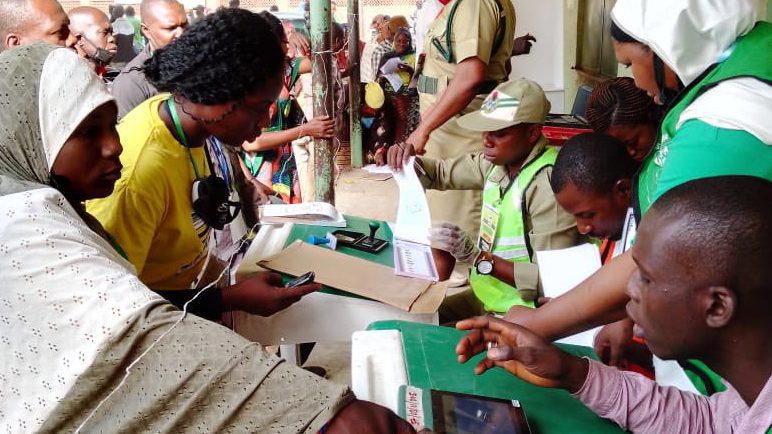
(309, 213)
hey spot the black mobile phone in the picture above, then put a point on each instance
(300, 280)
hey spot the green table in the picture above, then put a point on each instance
(353, 223)
(357, 224)
(431, 363)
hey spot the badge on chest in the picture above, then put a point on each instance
(489, 221)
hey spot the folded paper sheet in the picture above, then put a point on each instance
(412, 251)
(390, 70)
(358, 276)
(308, 213)
(560, 270)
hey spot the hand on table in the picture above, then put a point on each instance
(367, 417)
(398, 155)
(454, 240)
(521, 352)
(321, 127)
(263, 294)
(612, 341)
(523, 44)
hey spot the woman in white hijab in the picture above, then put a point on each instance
(710, 61)
(85, 346)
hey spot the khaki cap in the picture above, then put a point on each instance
(513, 102)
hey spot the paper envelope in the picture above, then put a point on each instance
(358, 276)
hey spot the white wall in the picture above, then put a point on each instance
(544, 20)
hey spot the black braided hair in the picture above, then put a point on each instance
(222, 58)
(593, 162)
(619, 102)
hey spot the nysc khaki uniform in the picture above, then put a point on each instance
(480, 28)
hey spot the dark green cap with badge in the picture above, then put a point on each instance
(513, 102)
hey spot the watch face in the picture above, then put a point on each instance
(484, 267)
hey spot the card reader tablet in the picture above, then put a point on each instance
(460, 413)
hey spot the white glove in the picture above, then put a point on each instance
(454, 240)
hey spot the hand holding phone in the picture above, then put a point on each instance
(301, 280)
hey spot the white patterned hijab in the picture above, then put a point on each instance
(45, 93)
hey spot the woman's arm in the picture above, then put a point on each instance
(599, 300)
(305, 66)
(272, 140)
(321, 127)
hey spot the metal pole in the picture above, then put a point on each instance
(355, 132)
(324, 178)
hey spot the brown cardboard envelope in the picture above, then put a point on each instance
(358, 276)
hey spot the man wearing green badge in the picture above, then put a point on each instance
(519, 215)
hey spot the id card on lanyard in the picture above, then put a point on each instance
(489, 222)
(491, 212)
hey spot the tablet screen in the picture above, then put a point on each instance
(469, 414)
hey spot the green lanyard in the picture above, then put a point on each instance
(181, 133)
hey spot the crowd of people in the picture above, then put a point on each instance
(135, 152)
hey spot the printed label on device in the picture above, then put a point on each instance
(414, 407)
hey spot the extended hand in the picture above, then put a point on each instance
(522, 44)
(521, 352)
(612, 341)
(262, 294)
(454, 240)
(321, 127)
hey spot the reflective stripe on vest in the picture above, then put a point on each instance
(510, 242)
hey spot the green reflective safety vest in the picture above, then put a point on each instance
(511, 241)
(747, 59)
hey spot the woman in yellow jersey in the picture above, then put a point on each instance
(86, 346)
(222, 76)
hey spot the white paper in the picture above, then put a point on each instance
(390, 70)
(561, 270)
(414, 222)
(309, 213)
(412, 251)
(392, 65)
(395, 80)
(414, 260)
(372, 168)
